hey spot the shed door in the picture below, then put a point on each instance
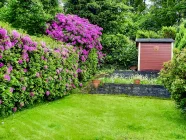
(153, 55)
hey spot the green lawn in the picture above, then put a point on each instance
(97, 117)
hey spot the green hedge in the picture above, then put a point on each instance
(32, 72)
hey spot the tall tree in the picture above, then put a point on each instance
(108, 14)
(30, 15)
(167, 12)
(138, 5)
(51, 6)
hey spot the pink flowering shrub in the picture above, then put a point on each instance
(83, 35)
(32, 72)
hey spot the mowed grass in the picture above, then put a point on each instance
(97, 117)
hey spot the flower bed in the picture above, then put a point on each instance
(117, 84)
(128, 73)
(32, 72)
(130, 80)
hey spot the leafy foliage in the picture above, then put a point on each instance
(2, 2)
(109, 14)
(29, 18)
(162, 13)
(112, 15)
(181, 36)
(32, 72)
(51, 6)
(168, 32)
(120, 50)
(173, 77)
(147, 34)
(30, 15)
(138, 5)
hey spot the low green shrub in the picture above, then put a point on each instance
(173, 77)
(32, 72)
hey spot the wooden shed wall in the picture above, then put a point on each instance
(153, 55)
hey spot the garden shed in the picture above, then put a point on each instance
(152, 53)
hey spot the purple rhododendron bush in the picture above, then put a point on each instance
(84, 36)
(32, 72)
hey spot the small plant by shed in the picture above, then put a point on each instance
(152, 53)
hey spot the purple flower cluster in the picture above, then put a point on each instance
(7, 77)
(23, 88)
(32, 94)
(62, 52)
(37, 74)
(15, 34)
(59, 70)
(5, 41)
(11, 90)
(47, 93)
(14, 109)
(76, 31)
(79, 70)
(3, 33)
(25, 70)
(1, 101)
(10, 68)
(45, 67)
(1, 64)
(28, 46)
(8, 42)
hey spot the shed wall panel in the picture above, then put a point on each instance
(153, 55)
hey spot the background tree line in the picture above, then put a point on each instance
(122, 21)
